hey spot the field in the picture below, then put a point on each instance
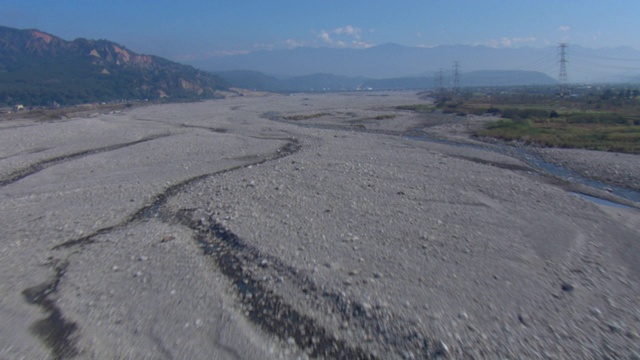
(607, 121)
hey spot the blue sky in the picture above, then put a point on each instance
(186, 30)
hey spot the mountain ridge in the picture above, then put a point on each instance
(38, 68)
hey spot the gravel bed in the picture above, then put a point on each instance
(220, 230)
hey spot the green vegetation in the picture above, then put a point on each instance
(417, 107)
(385, 117)
(306, 117)
(36, 74)
(41, 82)
(592, 120)
(597, 117)
(560, 133)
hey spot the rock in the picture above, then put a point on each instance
(567, 287)
(167, 238)
(441, 349)
(614, 327)
(524, 319)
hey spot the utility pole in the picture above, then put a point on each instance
(456, 76)
(562, 73)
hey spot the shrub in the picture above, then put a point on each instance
(507, 124)
(516, 113)
(385, 116)
(596, 118)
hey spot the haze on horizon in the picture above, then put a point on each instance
(193, 30)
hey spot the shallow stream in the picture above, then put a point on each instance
(539, 164)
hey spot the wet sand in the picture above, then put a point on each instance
(221, 230)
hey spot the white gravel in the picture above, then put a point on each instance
(338, 238)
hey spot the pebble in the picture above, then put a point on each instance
(524, 319)
(441, 349)
(567, 287)
(614, 327)
(168, 238)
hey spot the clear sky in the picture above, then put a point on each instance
(186, 30)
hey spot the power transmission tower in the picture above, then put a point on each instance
(440, 82)
(456, 76)
(562, 73)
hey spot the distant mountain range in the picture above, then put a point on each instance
(255, 80)
(37, 68)
(395, 61)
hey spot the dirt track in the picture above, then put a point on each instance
(211, 230)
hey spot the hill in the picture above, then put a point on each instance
(37, 68)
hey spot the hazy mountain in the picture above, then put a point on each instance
(255, 80)
(37, 68)
(322, 82)
(252, 80)
(474, 78)
(384, 61)
(326, 82)
(395, 61)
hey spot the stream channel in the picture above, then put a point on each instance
(518, 152)
(536, 162)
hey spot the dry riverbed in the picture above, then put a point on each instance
(329, 226)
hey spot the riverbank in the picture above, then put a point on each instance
(612, 170)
